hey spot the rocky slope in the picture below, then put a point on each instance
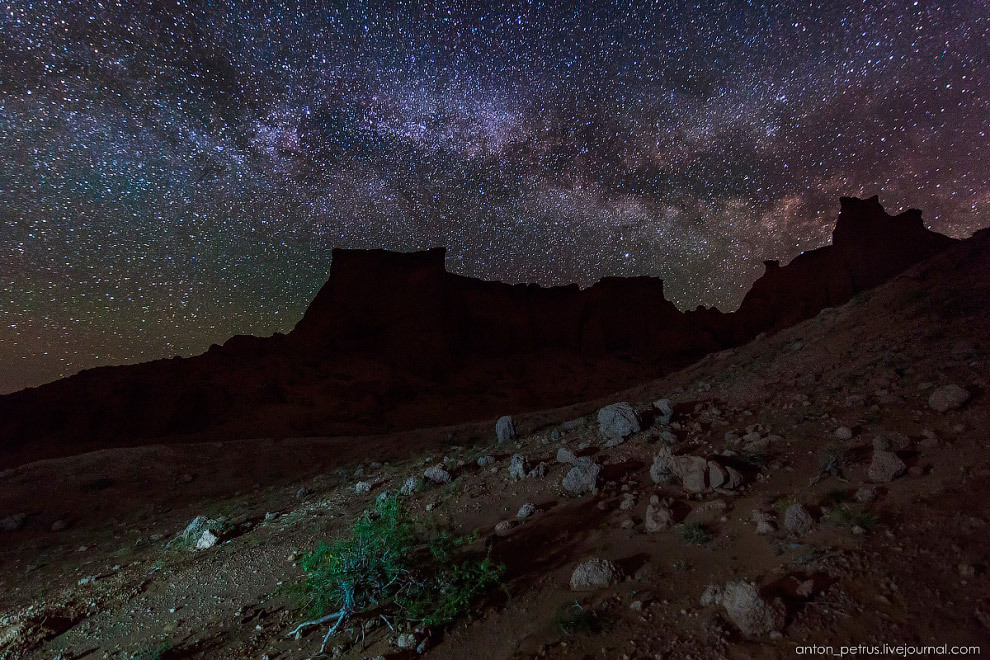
(394, 342)
(821, 485)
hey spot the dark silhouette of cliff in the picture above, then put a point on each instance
(393, 341)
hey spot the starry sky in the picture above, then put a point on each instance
(174, 172)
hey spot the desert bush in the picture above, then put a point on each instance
(389, 567)
(851, 515)
(695, 534)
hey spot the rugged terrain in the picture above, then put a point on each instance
(839, 465)
(393, 342)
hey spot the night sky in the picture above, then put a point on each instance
(173, 173)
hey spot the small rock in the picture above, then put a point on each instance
(661, 471)
(628, 502)
(437, 475)
(572, 424)
(948, 397)
(734, 478)
(886, 466)
(539, 471)
(617, 421)
(505, 430)
(411, 485)
(658, 516)
(303, 492)
(525, 511)
(843, 433)
(754, 615)
(517, 467)
(503, 528)
(362, 487)
(565, 455)
(764, 522)
(712, 595)
(866, 494)
(406, 641)
(797, 519)
(207, 540)
(59, 525)
(13, 523)
(665, 410)
(806, 588)
(594, 574)
(485, 461)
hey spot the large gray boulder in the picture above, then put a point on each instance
(616, 422)
(505, 430)
(583, 477)
(754, 615)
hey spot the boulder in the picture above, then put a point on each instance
(886, 466)
(517, 466)
(505, 430)
(583, 477)
(754, 615)
(692, 471)
(616, 422)
(565, 455)
(658, 516)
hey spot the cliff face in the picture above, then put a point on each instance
(394, 341)
(868, 248)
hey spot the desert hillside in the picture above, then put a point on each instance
(822, 484)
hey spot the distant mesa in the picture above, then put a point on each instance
(393, 341)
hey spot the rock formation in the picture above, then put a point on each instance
(392, 341)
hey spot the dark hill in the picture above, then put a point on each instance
(393, 341)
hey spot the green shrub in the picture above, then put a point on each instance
(695, 533)
(850, 515)
(386, 566)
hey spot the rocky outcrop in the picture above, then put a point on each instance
(391, 334)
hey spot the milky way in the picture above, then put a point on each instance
(174, 173)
